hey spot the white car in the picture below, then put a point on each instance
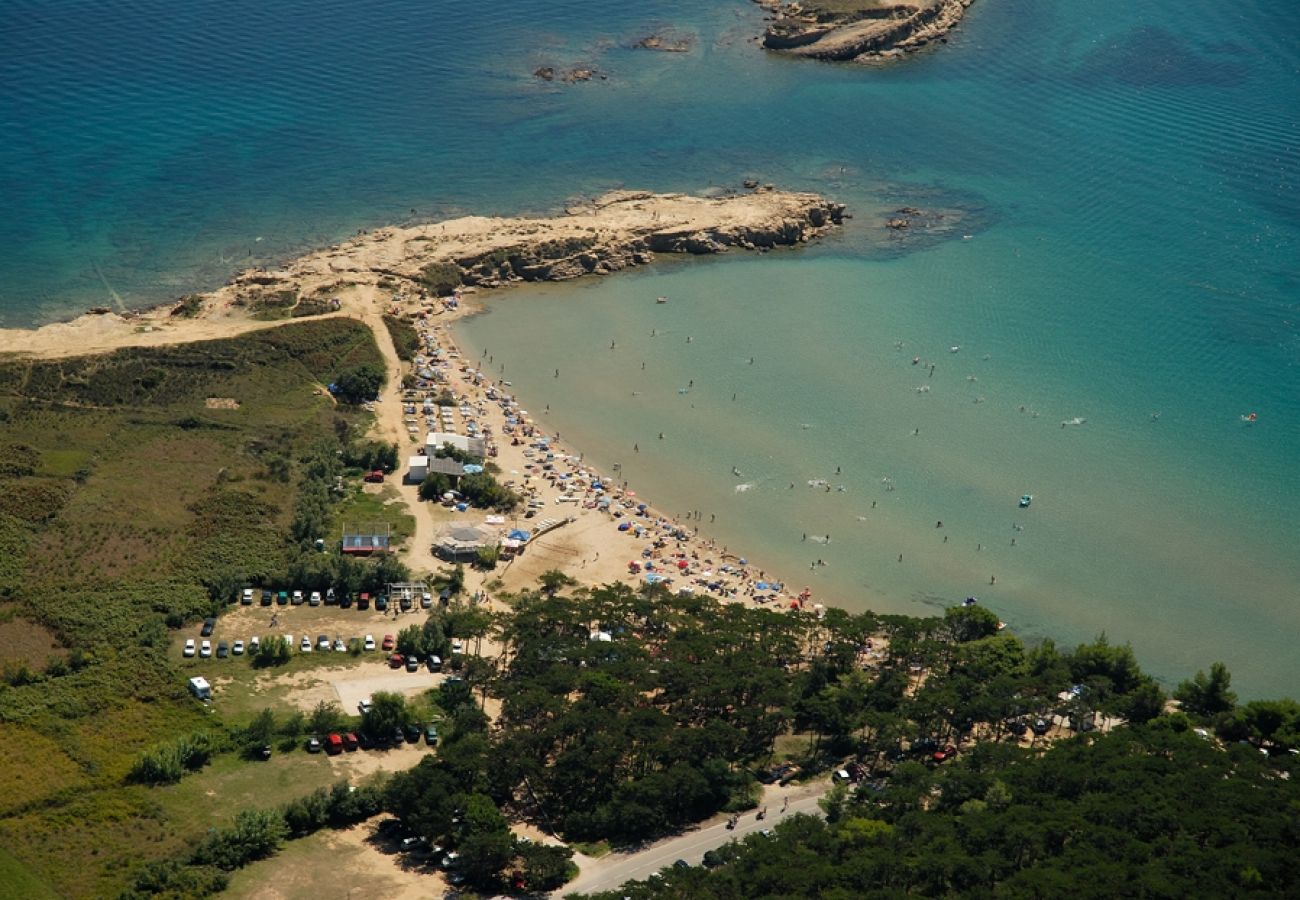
(189, 648)
(315, 599)
(205, 649)
(297, 598)
(254, 644)
(339, 646)
(369, 644)
(237, 648)
(305, 646)
(457, 646)
(247, 596)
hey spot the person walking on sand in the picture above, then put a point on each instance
(786, 804)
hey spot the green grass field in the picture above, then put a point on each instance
(126, 506)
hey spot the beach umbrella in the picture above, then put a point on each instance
(682, 564)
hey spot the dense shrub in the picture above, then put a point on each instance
(405, 338)
(255, 835)
(167, 763)
(359, 384)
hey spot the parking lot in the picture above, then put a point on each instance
(242, 623)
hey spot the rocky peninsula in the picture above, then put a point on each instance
(592, 237)
(858, 30)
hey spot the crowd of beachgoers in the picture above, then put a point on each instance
(596, 523)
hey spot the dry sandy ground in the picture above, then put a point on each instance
(344, 864)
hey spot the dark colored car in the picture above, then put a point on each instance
(1017, 727)
(363, 602)
(265, 752)
(223, 650)
(313, 745)
(208, 624)
(431, 734)
(345, 600)
(405, 604)
(365, 741)
(412, 733)
(412, 664)
(282, 598)
(1040, 727)
(330, 598)
(267, 598)
(381, 604)
(398, 736)
(391, 829)
(350, 741)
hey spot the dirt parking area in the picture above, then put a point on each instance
(242, 622)
(354, 685)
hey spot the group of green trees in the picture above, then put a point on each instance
(359, 383)
(480, 490)
(628, 714)
(1143, 811)
(371, 455)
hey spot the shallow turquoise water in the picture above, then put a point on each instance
(1126, 173)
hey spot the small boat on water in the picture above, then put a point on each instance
(661, 299)
(1025, 500)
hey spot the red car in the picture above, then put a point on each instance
(375, 477)
(388, 642)
(350, 741)
(333, 744)
(396, 661)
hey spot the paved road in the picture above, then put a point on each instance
(612, 870)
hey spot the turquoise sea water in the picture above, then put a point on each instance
(1125, 173)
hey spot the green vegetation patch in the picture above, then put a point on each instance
(129, 508)
(405, 338)
(441, 278)
(19, 881)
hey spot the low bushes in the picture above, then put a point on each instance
(167, 763)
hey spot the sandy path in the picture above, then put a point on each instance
(390, 426)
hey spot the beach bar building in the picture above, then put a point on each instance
(463, 542)
(436, 440)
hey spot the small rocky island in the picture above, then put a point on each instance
(858, 30)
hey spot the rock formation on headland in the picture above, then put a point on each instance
(870, 30)
(612, 232)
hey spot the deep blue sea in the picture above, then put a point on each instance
(1122, 239)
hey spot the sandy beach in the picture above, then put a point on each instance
(598, 530)
(594, 527)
